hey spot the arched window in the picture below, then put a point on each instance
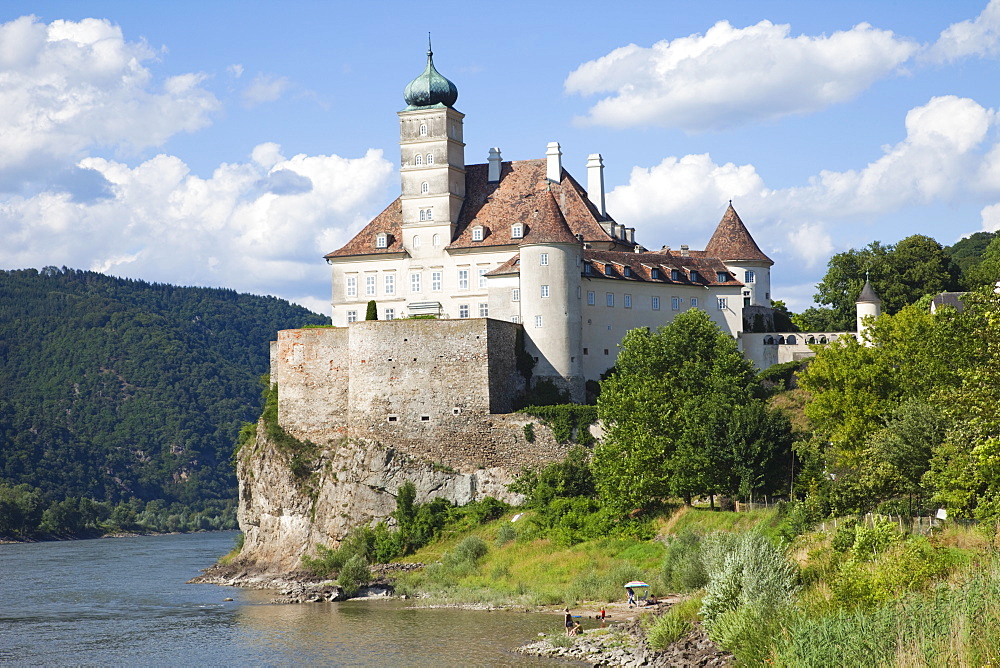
(822, 339)
(418, 159)
(430, 158)
(423, 130)
(769, 341)
(781, 340)
(436, 240)
(423, 214)
(416, 241)
(811, 340)
(425, 188)
(791, 340)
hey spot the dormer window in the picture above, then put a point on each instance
(627, 271)
(477, 233)
(609, 270)
(430, 158)
(423, 130)
(694, 276)
(588, 268)
(675, 275)
(654, 274)
(381, 240)
(425, 188)
(721, 277)
(517, 231)
(418, 159)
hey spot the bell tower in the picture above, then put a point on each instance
(432, 158)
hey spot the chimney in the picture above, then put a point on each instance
(684, 251)
(494, 170)
(595, 182)
(630, 234)
(553, 162)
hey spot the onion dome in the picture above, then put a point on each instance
(431, 88)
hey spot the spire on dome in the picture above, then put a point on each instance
(431, 88)
(732, 241)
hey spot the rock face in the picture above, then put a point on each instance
(352, 483)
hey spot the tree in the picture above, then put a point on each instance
(372, 312)
(669, 415)
(987, 270)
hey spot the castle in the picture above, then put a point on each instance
(524, 242)
(513, 266)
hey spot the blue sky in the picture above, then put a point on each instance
(233, 144)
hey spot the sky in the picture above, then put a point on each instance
(232, 145)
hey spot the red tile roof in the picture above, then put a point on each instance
(640, 267)
(732, 241)
(390, 222)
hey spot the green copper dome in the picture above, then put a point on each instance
(430, 89)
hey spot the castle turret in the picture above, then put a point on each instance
(869, 307)
(733, 244)
(550, 268)
(432, 159)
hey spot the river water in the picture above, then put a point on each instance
(124, 601)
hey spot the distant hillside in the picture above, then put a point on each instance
(115, 389)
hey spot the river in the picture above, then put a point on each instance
(124, 601)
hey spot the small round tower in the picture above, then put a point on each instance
(868, 307)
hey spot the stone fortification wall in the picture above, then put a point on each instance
(435, 390)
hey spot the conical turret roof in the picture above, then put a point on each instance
(732, 241)
(430, 88)
(546, 224)
(868, 295)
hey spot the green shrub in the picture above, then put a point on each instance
(683, 568)
(353, 575)
(505, 534)
(567, 421)
(529, 432)
(843, 539)
(674, 624)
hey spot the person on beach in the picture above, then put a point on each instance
(577, 628)
(569, 623)
(631, 597)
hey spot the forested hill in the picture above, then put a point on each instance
(115, 389)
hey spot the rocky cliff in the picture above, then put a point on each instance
(346, 483)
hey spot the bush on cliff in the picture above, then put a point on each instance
(354, 575)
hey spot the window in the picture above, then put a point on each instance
(515, 295)
(415, 281)
(543, 259)
(430, 158)
(352, 286)
(721, 277)
(694, 302)
(723, 304)
(390, 314)
(463, 310)
(436, 240)
(427, 214)
(627, 271)
(425, 188)
(418, 159)
(656, 303)
(381, 241)
(748, 276)
(477, 233)
(416, 241)
(609, 270)
(463, 279)
(694, 276)
(654, 273)
(545, 292)
(628, 301)
(586, 351)
(482, 277)
(746, 301)
(517, 231)
(435, 281)
(516, 319)
(352, 316)
(484, 310)
(370, 286)
(423, 214)
(611, 299)
(538, 321)
(675, 275)
(591, 298)
(423, 130)
(675, 304)
(588, 268)
(390, 284)
(579, 292)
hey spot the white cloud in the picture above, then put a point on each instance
(264, 88)
(235, 70)
(163, 223)
(945, 157)
(991, 218)
(732, 76)
(68, 86)
(976, 37)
